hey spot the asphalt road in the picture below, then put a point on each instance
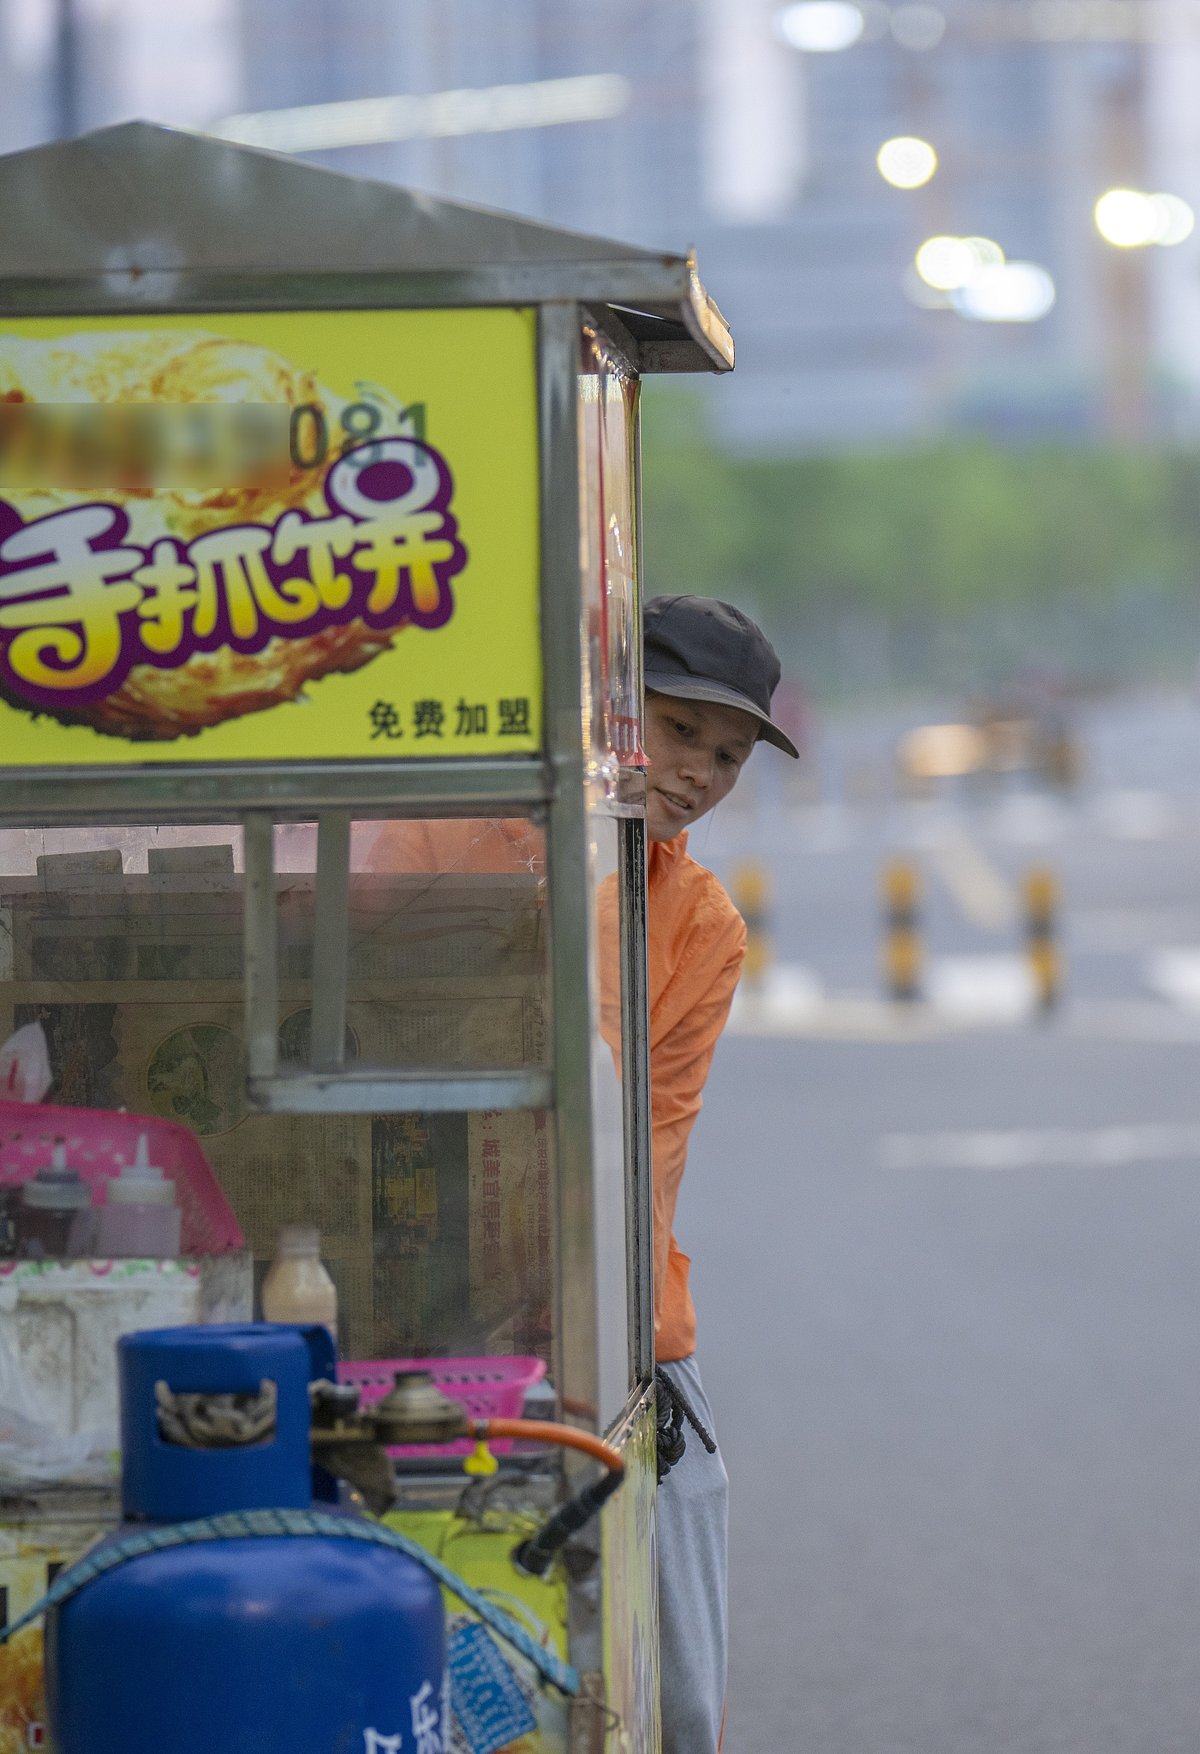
(948, 1276)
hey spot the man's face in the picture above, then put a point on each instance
(696, 751)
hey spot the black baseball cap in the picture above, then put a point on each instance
(696, 648)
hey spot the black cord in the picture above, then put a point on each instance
(534, 1555)
(673, 1408)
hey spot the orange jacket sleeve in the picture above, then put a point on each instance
(685, 1026)
(451, 844)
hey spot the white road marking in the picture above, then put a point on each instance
(992, 989)
(1175, 975)
(1041, 1148)
(790, 994)
(865, 1017)
(985, 897)
(847, 1019)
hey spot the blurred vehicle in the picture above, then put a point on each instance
(1005, 735)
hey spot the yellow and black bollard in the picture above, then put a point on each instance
(1041, 894)
(752, 896)
(902, 957)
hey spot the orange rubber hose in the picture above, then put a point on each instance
(546, 1431)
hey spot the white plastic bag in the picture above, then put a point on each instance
(33, 1452)
(17, 1399)
(30, 1448)
(25, 1074)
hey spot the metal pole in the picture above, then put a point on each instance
(67, 71)
(262, 946)
(331, 941)
(635, 1033)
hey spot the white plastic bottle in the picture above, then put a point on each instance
(297, 1288)
(139, 1217)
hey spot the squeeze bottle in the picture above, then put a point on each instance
(140, 1217)
(54, 1210)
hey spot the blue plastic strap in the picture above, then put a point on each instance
(238, 1524)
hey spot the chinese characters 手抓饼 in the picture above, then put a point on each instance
(80, 607)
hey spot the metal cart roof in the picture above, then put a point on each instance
(140, 217)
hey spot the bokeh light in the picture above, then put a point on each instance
(1007, 292)
(1176, 219)
(1131, 219)
(820, 27)
(1127, 218)
(949, 263)
(906, 162)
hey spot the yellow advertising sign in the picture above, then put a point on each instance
(302, 535)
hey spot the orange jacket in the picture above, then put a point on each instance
(697, 943)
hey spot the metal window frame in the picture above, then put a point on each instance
(292, 791)
(635, 1019)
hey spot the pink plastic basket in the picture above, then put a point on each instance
(485, 1388)
(99, 1141)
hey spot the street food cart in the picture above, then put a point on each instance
(321, 793)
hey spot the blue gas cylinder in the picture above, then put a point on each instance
(303, 1644)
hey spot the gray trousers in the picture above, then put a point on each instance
(693, 1524)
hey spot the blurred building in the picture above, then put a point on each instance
(1028, 135)
(763, 156)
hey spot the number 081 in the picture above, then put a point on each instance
(308, 435)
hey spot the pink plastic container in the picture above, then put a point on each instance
(485, 1388)
(99, 1141)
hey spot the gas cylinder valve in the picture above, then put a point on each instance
(351, 1441)
(344, 1443)
(416, 1411)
